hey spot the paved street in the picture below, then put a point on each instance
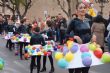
(14, 65)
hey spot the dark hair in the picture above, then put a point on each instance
(37, 29)
(49, 23)
(98, 19)
(23, 20)
(74, 15)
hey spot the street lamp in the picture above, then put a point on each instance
(102, 2)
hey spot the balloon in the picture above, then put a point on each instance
(92, 46)
(87, 61)
(65, 50)
(106, 57)
(26, 55)
(62, 63)
(45, 53)
(69, 57)
(39, 53)
(74, 48)
(2, 61)
(55, 49)
(49, 53)
(1, 65)
(33, 48)
(25, 39)
(98, 53)
(92, 12)
(69, 44)
(58, 55)
(37, 50)
(32, 51)
(85, 54)
(84, 48)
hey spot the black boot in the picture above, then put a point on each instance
(52, 70)
(43, 69)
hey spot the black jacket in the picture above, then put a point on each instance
(22, 29)
(37, 39)
(81, 29)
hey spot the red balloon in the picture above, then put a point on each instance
(33, 48)
(98, 53)
(45, 53)
(26, 55)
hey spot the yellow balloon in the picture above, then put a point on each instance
(39, 53)
(69, 44)
(69, 57)
(92, 12)
(58, 56)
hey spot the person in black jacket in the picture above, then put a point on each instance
(50, 33)
(60, 27)
(36, 39)
(10, 29)
(22, 29)
(82, 32)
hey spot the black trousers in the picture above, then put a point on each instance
(33, 63)
(51, 61)
(22, 46)
(9, 44)
(62, 36)
(79, 70)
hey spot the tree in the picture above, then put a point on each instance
(69, 4)
(17, 6)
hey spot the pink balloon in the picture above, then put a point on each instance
(84, 48)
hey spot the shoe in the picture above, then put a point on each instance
(43, 69)
(52, 70)
(35, 66)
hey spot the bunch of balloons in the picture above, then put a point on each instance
(96, 49)
(1, 64)
(67, 55)
(88, 52)
(40, 50)
(86, 56)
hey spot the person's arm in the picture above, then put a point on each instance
(108, 27)
(92, 28)
(31, 41)
(43, 41)
(78, 39)
(70, 27)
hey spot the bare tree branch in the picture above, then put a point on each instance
(59, 3)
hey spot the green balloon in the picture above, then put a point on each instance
(1, 60)
(92, 46)
(105, 58)
(1, 65)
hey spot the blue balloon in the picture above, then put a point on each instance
(85, 54)
(62, 63)
(32, 51)
(55, 49)
(2, 61)
(65, 50)
(37, 50)
(74, 48)
(87, 61)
